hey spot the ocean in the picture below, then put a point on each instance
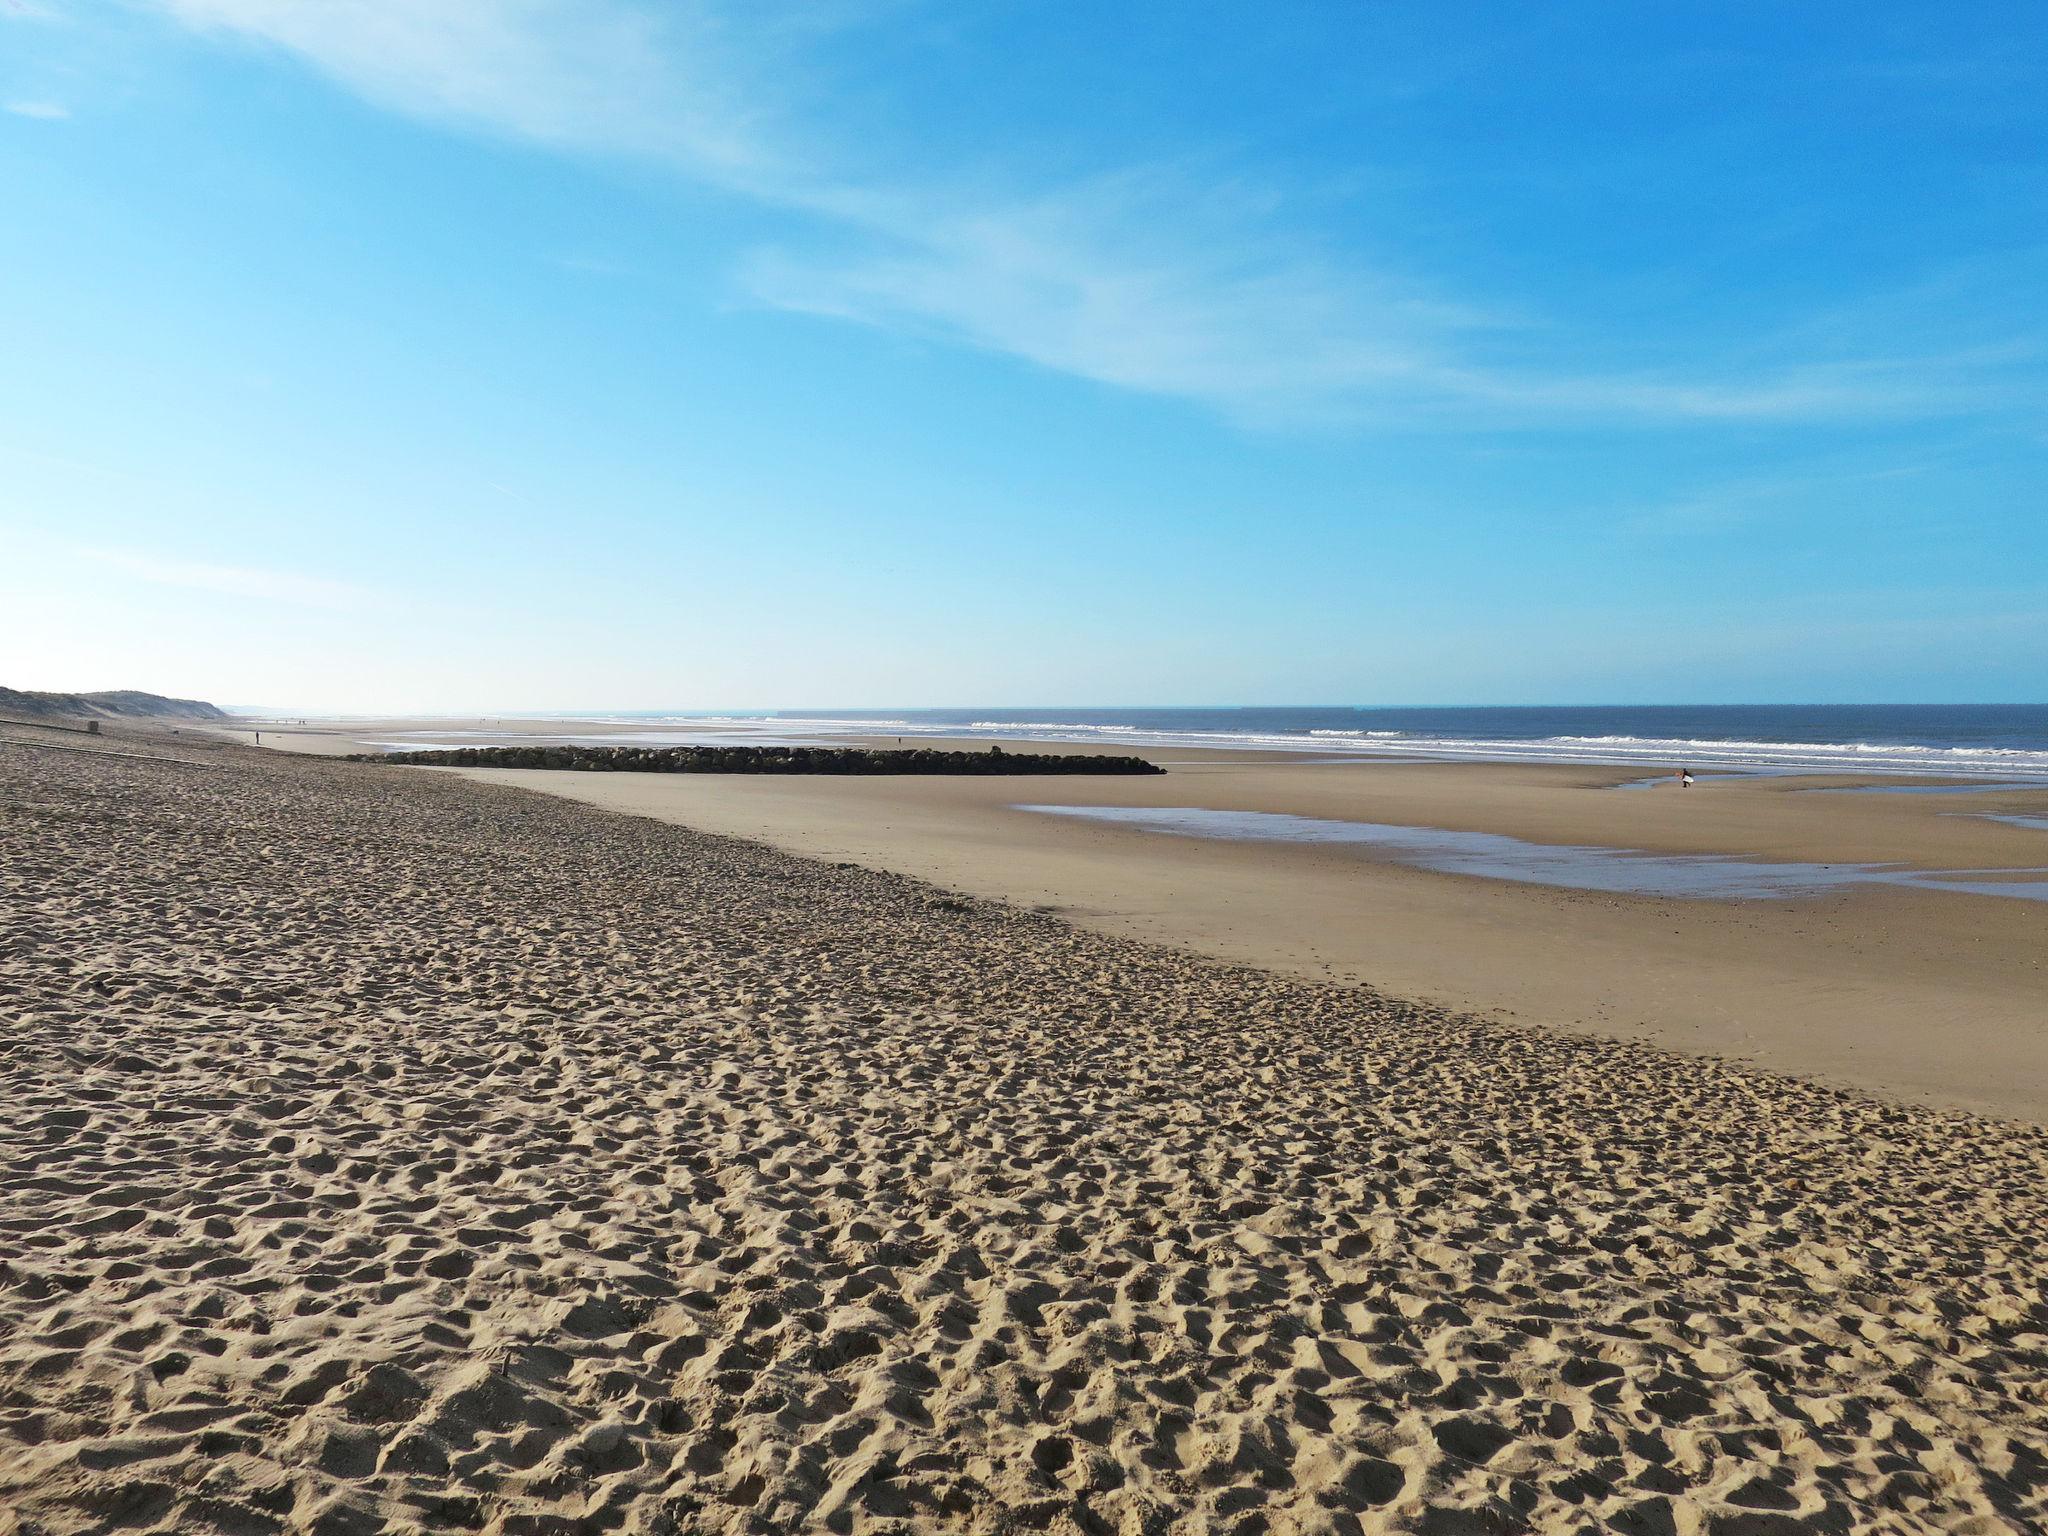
(1979, 740)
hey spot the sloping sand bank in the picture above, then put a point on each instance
(384, 1151)
(1917, 994)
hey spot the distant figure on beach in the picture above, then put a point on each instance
(1685, 778)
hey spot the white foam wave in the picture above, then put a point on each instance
(1051, 725)
(1849, 748)
(1616, 750)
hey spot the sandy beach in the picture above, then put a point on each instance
(1009, 770)
(389, 1151)
(1922, 995)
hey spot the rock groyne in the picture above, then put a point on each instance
(718, 759)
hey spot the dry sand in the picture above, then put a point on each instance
(381, 1151)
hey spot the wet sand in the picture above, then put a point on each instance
(381, 1150)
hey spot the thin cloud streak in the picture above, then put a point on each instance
(235, 581)
(1077, 282)
(42, 111)
(1731, 506)
(1144, 280)
(586, 75)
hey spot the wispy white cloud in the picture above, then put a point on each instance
(1740, 503)
(46, 111)
(582, 74)
(1150, 279)
(233, 580)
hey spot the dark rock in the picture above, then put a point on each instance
(718, 759)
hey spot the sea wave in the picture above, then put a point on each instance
(1611, 750)
(1900, 749)
(1049, 725)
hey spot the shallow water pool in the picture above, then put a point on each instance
(1624, 871)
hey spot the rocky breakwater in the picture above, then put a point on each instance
(715, 759)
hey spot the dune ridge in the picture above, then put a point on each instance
(386, 1151)
(112, 703)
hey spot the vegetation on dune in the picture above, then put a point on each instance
(119, 703)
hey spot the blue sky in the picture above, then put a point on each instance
(498, 354)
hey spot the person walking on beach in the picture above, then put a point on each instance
(1685, 778)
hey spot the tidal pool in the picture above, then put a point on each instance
(1624, 871)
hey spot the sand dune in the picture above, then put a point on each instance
(386, 1151)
